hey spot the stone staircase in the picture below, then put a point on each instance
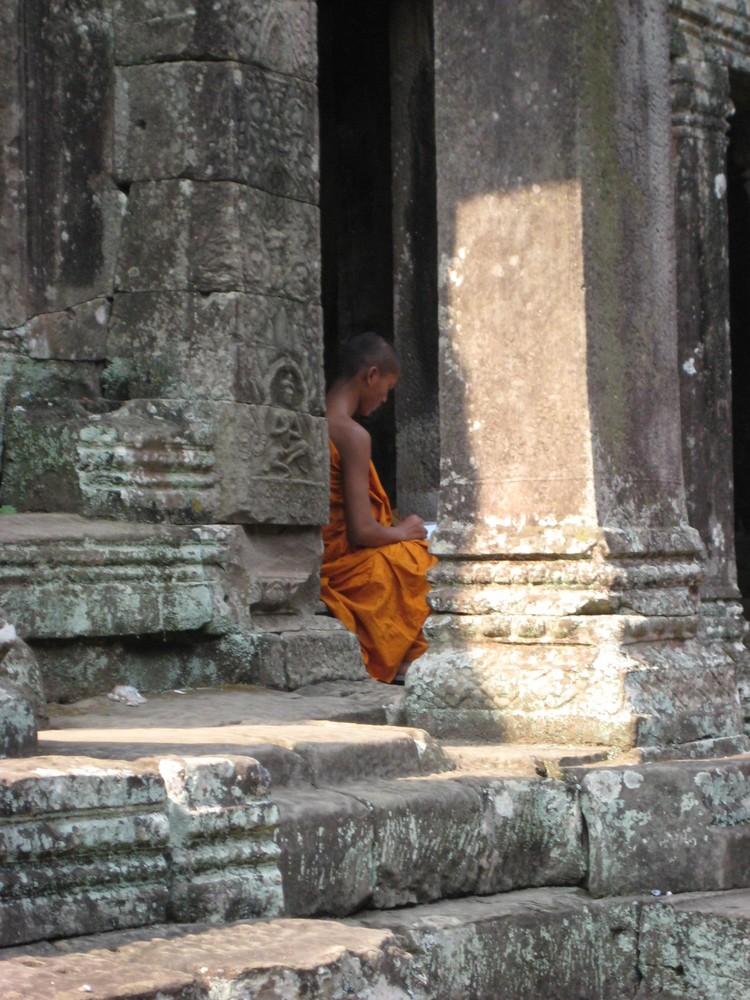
(246, 843)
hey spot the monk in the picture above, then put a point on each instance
(373, 575)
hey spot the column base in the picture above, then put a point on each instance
(607, 647)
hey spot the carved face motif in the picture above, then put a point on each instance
(287, 389)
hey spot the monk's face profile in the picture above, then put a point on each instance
(375, 389)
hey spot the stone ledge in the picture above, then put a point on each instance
(284, 958)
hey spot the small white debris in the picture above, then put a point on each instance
(689, 367)
(86, 988)
(7, 634)
(656, 892)
(178, 691)
(720, 185)
(127, 694)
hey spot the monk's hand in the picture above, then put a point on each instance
(412, 527)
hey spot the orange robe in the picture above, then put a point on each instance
(378, 593)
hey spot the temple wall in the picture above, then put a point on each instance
(161, 356)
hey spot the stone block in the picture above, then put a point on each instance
(270, 959)
(222, 853)
(73, 232)
(14, 306)
(18, 733)
(20, 667)
(524, 691)
(598, 644)
(697, 812)
(292, 659)
(74, 669)
(77, 334)
(205, 463)
(532, 834)
(218, 121)
(554, 944)
(695, 947)
(434, 839)
(326, 841)
(426, 839)
(40, 456)
(81, 843)
(169, 460)
(218, 237)
(63, 576)
(224, 346)
(275, 34)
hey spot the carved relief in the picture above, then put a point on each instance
(286, 386)
(287, 452)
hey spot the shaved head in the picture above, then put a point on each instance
(365, 351)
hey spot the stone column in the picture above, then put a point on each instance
(566, 596)
(701, 106)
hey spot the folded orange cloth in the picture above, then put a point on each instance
(378, 593)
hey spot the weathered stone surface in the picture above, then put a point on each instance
(184, 464)
(696, 812)
(78, 669)
(222, 855)
(538, 943)
(203, 713)
(170, 460)
(23, 700)
(407, 840)
(694, 947)
(602, 643)
(13, 287)
(40, 455)
(82, 844)
(229, 346)
(434, 839)
(277, 960)
(73, 231)
(218, 121)
(276, 34)
(218, 237)
(65, 576)
(292, 659)
(17, 722)
(326, 841)
(612, 465)
(701, 105)
(78, 334)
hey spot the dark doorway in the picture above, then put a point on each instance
(738, 184)
(378, 217)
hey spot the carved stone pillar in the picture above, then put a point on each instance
(566, 598)
(701, 106)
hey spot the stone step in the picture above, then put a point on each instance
(386, 843)
(534, 944)
(246, 807)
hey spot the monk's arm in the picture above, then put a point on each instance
(361, 527)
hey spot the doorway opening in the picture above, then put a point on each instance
(379, 219)
(738, 195)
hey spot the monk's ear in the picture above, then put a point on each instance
(371, 373)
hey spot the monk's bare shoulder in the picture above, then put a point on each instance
(352, 441)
